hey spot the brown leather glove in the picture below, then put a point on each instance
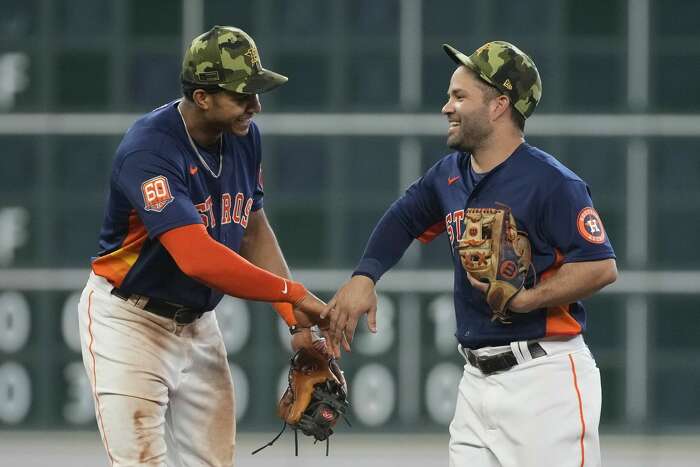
(492, 250)
(316, 396)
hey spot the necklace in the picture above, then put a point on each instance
(194, 146)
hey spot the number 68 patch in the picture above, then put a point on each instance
(156, 193)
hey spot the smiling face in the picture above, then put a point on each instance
(468, 111)
(233, 112)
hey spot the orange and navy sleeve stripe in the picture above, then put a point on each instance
(116, 265)
(559, 320)
(432, 232)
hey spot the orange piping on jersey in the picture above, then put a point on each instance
(580, 411)
(432, 232)
(559, 320)
(116, 265)
(91, 350)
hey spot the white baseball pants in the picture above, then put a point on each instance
(163, 393)
(542, 412)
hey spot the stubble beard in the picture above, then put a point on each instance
(473, 131)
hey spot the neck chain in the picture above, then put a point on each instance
(194, 146)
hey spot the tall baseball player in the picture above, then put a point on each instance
(530, 394)
(184, 224)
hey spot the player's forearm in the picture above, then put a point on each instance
(204, 259)
(385, 247)
(261, 248)
(572, 282)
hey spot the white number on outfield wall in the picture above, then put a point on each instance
(15, 321)
(441, 392)
(373, 394)
(15, 393)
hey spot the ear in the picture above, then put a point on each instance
(202, 99)
(499, 106)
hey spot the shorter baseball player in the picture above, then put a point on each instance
(527, 245)
(184, 224)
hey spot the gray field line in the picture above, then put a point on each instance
(77, 449)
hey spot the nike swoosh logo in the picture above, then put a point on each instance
(451, 180)
(193, 169)
(284, 290)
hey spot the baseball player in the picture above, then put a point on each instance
(530, 393)
(184, 224)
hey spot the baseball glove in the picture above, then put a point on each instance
(316, 396)
(492, 250)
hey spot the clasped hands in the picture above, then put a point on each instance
(338, 319)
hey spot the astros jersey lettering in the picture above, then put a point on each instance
(158, 184)
(551, 205)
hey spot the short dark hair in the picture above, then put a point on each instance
(492, 92)
(189, 88)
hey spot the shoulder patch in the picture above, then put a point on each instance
(156, 193)
(590, 226)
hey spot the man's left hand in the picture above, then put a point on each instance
(521, 303)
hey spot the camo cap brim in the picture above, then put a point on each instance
(264, 81)
(462, 59)
(508, 69)
(227, 57)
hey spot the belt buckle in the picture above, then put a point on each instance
(481, 364)
(139, 301)
(179, 316)
(186, 315)
(473, 359)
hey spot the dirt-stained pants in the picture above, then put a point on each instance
(163, 393)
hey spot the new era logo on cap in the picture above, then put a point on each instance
(254, 56)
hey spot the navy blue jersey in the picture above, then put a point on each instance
(157, 184)
(550, 203)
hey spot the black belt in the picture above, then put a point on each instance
(489, 364)
(179, 313)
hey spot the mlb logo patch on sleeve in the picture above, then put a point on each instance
(590, 226)
(156, 193)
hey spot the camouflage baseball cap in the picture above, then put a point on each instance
(227, 57)
(508, 69)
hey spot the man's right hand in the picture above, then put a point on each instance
(307, 313)
(355, 298)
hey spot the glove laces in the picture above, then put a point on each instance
(296, 438)
(296, 442)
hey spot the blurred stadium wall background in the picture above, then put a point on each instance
(358, 121)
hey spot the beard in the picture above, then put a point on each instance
(473, 130)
